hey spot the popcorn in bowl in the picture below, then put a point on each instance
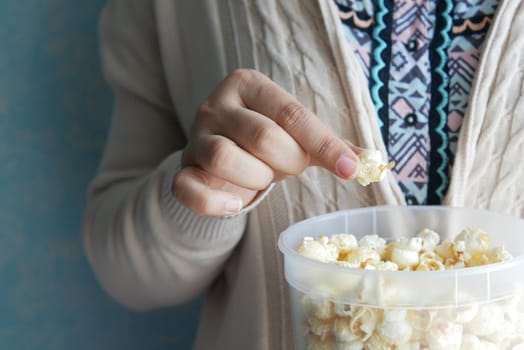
(330, 324)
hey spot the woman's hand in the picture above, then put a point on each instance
(249, 133)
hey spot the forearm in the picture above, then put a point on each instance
(146, 249)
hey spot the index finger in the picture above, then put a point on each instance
(324, 148)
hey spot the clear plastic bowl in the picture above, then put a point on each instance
(336, 307)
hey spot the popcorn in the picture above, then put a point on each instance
(342, 330)
(519, 328)
(358, 257)
(459, 247)
(363, 322)
(470, 342)
(394, 329)
(375, 242)
(446, 250)
(510, 308)
(503, 333)
(452, 253)
(320, 327)
(414, 345)
(353, 345)
(395, 315)
(476, 241)
(414, 243)
(486, 345)
(318, 307)
(430, 256)
(464, 314)
(343, 309)
(430, 265)
(477, 260)
(430, 239)
(445, 336)
(421, 319)
(498, 254)
(488, 320)
(456, 265)
(380, 265)
(402, 254)
(375, 342)
(315, 343)
(344, 241)
(372, 167)
(460, 314)
(340, 326)
(317, 249)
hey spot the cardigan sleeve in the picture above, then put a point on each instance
(146, 249)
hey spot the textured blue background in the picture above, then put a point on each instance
(54, 114)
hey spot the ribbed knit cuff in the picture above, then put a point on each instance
(195, 230)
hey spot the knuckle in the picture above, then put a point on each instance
(241, 75)
(177, 185)
(205, 117)
(205, 109)
(219, 155)
(201, 205)
(267, 91)
(200, 175)
(262, 136)
(325, 145)
(292, 116)
(207, 114)
(194, 200)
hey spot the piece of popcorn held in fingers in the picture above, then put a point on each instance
(372, 167)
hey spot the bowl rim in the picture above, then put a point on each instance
(290, 252)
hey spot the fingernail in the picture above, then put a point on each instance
(233, 205)
(346, 166)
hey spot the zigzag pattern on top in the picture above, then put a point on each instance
(409, 84)
(439, 159)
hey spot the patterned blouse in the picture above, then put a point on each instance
(420, 59)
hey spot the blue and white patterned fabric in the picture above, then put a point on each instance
(420, 58)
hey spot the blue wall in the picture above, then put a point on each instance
(54, 114)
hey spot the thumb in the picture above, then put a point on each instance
(340, 158)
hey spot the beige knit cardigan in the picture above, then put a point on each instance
(163, 58)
